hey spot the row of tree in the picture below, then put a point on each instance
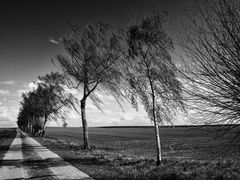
(135, 65)
(44, 103)
(132, 65)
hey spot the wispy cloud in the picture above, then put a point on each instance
(4, 92)
(52, 40)
(10, 82)
(27, 87)
(33, 85)
(6, 123)
(21, 91)
(8, 115)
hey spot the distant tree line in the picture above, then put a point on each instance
(43, 103)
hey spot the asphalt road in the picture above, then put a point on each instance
(27, 159)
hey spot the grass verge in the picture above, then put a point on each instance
(103, 164)
(6, 137)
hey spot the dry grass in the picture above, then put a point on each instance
(7, 135)
(129, 154)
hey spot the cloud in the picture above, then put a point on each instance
(4, 92)
(27, 87)
(90, 106)
(3, 111)
(21, 91)
(73, 91)
(8, 115)
(113, 115)
(10, 82)
(33, 85)
(6, 123)
(52, 40)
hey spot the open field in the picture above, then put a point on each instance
(176, 142)
(128, 153)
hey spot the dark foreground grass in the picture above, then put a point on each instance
(7, 135)
(129, 154)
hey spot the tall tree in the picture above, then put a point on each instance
(151, 71)
(23, 118)
(30, 108)
(212, 52)
(53, 97)
(47, 101)
(93, 63)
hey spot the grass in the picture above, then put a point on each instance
(7, 135)
(129, 153)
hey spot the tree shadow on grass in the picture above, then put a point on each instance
(87, 161)
(101, 161)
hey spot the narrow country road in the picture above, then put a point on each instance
(28, 159)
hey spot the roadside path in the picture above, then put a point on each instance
(28, 159)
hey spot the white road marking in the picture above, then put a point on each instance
(11, 170)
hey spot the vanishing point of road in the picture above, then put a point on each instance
(28, 159)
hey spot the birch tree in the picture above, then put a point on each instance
(93, 62)
(151, 71)
(53, 97)
(47, 100)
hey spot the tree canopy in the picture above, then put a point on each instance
(212, 52)
(94, 64)
(151, 72)
(47, 101)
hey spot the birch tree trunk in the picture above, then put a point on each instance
(84, 124)
(159, 153)
(157, 136)
(28, 124)
(44, 125)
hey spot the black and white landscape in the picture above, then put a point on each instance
(119, 89)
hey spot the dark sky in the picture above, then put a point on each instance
(29, 29)
(26, 26)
